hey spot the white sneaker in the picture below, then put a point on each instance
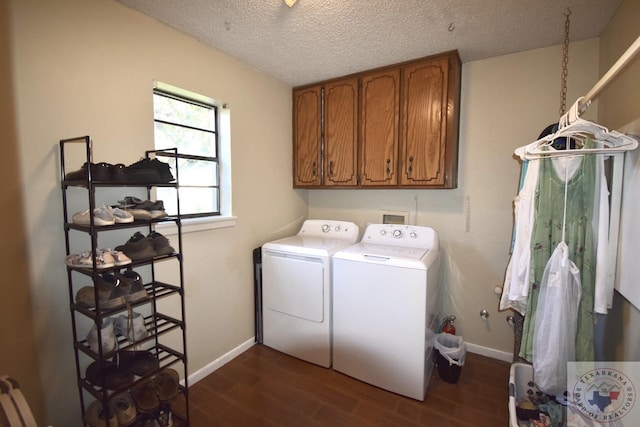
(131, 326)
(121, 216)
(119, 257)
(85, 260)
(107, 335)
(101, 216)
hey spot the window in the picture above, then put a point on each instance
(195, 126)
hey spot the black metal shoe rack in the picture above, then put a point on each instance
(164, 307)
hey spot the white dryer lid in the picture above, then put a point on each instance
(317, 238)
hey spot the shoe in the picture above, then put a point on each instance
(118, 173)
(143, 176)
(167, 382)
(138, 247)
(165, 418)
(109, 375)
(101, 216)
(155, 209)
(121, 216)
(150, 167)
(143, 209)
(86, 295)
(107, 335)
(133, 283)
(161, 244)
(125, 409)
(131, 326)
(145, 395)
(85, 260)
(140, 214)
(119, 257)
(116, 298)
(96, 416)
(99, 172)
(129, 202)
(138, 362)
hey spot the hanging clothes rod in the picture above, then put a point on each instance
(613, 71)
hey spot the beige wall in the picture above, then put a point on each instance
(18, 357)
(619, 105)
(619, 101)
(506, 102)
(87, 67)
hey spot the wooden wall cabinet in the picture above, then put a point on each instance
(307, 137)
(429, 124)
(379, 121)
(393, 127)
(341, 133)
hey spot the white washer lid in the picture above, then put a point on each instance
(387, 251)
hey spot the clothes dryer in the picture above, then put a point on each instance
(385, 305)
(296, 289)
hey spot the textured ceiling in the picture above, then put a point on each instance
(321, 39)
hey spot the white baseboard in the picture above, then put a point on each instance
(490, 352)
(220, 361)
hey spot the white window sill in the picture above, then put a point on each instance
(197, 224)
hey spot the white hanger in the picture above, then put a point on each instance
(572, 126)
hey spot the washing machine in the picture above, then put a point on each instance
(296, 289)
(385, 305)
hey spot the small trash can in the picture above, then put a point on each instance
(450, 354)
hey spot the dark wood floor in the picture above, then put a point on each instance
(263, 387)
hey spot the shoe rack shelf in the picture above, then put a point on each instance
(163, 309)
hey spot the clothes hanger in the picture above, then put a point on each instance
(572, 126)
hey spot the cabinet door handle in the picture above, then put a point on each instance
(331, 168)
(410, 164)
(388, 166)
(315, 169)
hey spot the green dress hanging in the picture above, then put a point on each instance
(580, 238)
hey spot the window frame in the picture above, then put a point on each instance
(223, 216)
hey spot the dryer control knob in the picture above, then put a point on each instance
(397, 234)
(383, 233)
(413, 235)
(326, 228)
(338, 228)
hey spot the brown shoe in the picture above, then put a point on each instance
(125, 409)
(96, 416)
(167, 382)
(145, 395)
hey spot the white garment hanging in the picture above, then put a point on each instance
(516, 284)
(554, 337)
(614, 144)
(556, 323)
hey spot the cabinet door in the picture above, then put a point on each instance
(423, 130)
(341, 133)
(379, 121)
(307, 137)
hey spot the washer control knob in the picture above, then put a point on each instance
(397, 234)
(383, 233)
(413, 235)
(338, 228)
(326, 228)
